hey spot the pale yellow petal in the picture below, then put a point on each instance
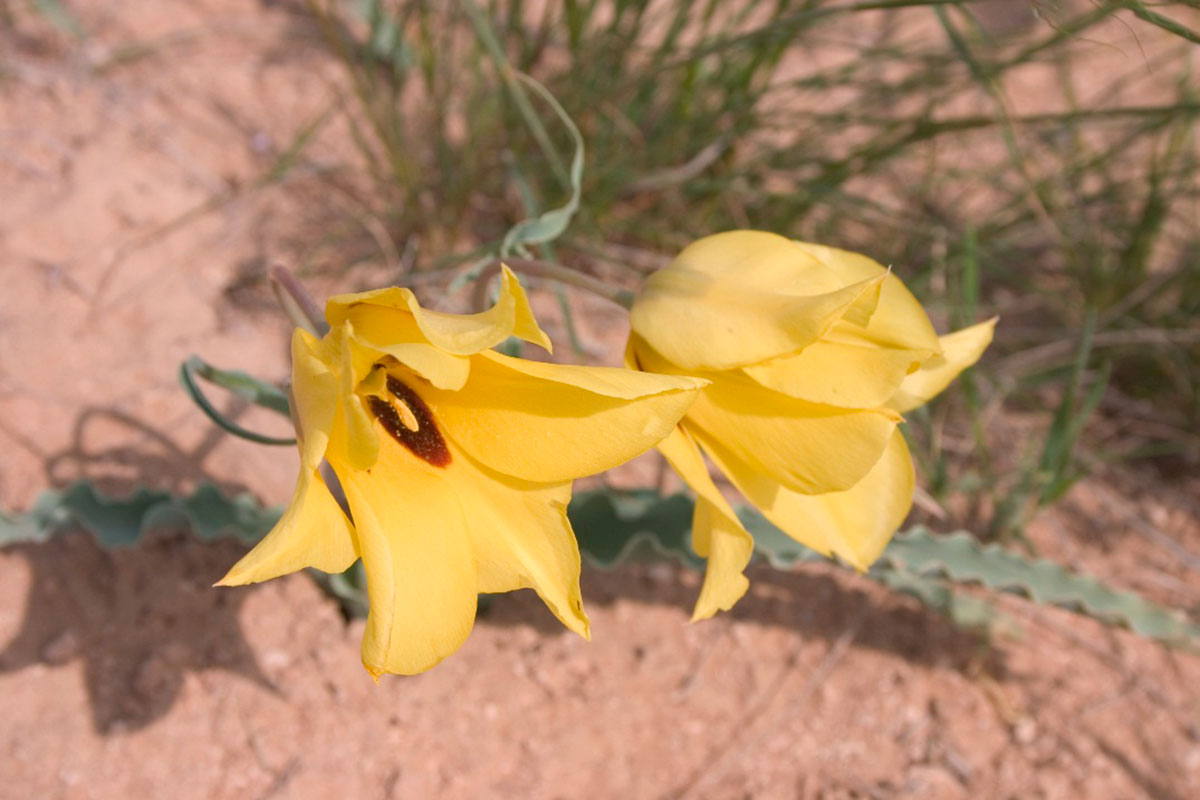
(458, 334)
(717, 534)
(551, 422)
(354, 440)
(837, 374)
(728, 549)
(313, 399)
(393, 332)
(696, 322)
(855, 524)
(811, 448)
(685, 458)
(898, 319)
(760, 261)
(522, 538)
(960, 350)
(416, 551)
(313, 532)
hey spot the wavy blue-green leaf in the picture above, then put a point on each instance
(961, 558)
(634, 526)
(122, 521)
(615, 527)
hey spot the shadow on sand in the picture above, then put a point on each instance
(141, 617)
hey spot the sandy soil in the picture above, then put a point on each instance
(130, 218)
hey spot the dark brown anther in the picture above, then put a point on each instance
(426, 441)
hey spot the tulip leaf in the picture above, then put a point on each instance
(964, 610)
(616, 527)
(117, 522)
(245, 386)
(551, 224)
(961, 558)
(633, 527)
(928, 566)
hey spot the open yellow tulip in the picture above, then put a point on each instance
(456, 462)
(812, 353)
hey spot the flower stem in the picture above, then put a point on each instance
(545, 269)
(296, 302)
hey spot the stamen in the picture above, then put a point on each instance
(411, 423)
(407, 416)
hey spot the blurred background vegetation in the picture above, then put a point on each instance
(1035, 159)
(1004, 156)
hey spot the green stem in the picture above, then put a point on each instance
(544, 269)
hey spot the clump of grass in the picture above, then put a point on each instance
(990, 168)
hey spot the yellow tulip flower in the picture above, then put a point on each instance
(456, 462)
(812, 354)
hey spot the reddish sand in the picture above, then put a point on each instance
(127, 227)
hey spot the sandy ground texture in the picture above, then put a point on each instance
(132, 210)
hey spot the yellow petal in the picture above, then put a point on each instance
(761, 261)
(390, 331)
(898, 319)
(855, 524)
(717, 534)
(696, 322)
(313, 399)
(421, 577)
(354, 439)
(728, 549)
(811, 448)
(458, 334)
(552, 422)
(837, 374)
(960, 350)
(313, 532)
(522, 539)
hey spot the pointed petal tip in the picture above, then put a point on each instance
(707, 607)
(857, 563)
(525, 324)
(576, 620)
(720, 599)
(232, 578)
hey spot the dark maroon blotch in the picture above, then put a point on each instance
(426, 441)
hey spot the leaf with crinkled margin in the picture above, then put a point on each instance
(123, 521)
(961, 558)
(212, 514)
(209, 514)
(964, 610)
(615, 527)
(639, 526)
